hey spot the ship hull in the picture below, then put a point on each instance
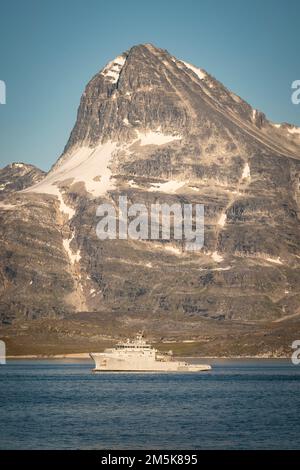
(105, 363)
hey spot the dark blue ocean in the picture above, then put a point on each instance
(238, 405)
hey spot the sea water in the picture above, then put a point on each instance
(240, 404)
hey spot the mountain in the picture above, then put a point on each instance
(18, 176)
(156, 128)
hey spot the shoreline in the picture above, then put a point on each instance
(87, 356)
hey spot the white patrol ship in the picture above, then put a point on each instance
(139, 356)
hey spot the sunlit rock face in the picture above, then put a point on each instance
(158, 129)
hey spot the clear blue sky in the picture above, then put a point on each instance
(49, 49)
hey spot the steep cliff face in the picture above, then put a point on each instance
(155, 128)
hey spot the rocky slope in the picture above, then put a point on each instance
(155, 128)
(18, 176)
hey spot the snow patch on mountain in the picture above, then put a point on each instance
(222, 220)
(199, 72)
(72, 257)
(168, 187)
(112, 69)
(156, 138)
(216, 257)
(246, 171)
(65, 208)
(274, 260)
(17, 165)
(294, 130)
(86, 165)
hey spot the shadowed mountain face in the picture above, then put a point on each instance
(158, 129)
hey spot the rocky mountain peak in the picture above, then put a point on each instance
(147, 89)
(17, 176)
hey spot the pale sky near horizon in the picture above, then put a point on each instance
(49, 50)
